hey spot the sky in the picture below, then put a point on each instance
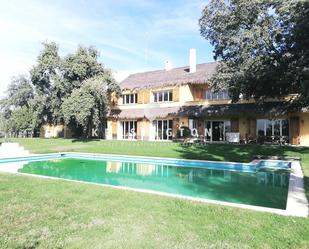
(131, 35)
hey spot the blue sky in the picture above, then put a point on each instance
(131, 35)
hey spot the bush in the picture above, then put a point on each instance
(185, 132)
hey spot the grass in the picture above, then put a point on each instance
(41, 213)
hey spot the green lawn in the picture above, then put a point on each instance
(41, 213)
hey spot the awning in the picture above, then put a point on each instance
(148, 113)
(275, 108)
(163, 112)
(127, 114)
(202, 111)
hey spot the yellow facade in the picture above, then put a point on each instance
(114, 129)
(146, 125)
(176, 94)
(52, 131)
(243, 127)
(187, 95)
(304, 129)
(143, 97)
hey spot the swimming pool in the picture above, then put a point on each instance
(251, 184)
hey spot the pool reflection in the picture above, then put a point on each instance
(262, 188)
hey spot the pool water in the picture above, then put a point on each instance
(261, 188)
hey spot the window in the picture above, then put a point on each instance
(210, 95)
(276, 124)
(163, 129)
(129, 129)
(277, 127)
(285, 127)
(163, 96)
(129, 98)
(192, 124)
(269, 127)
(260, 127)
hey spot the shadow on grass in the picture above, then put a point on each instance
(237, 153)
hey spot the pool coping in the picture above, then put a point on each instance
(297, 203)
(234, 166)
(134, 156)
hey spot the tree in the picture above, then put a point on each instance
(87, 106)
(55, 78)
(43, 76)
(16, 109)
(20, 92)
(23, 120)
(263, 50)
(81, 65)
(48, 63)
(75, 69)
(76, 88)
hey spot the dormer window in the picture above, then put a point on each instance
(163, 96)
(129, 98)
(220, 95)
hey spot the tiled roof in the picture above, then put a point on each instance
(149, 113)
(175, 76)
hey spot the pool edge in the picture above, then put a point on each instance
(297, 203)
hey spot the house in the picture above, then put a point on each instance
(156, 105)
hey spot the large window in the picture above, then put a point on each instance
(129, 98)
(163, 96)
(129, 129)
(163, 129)
(278, 127)
(221, 95)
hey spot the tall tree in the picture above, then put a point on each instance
(75, 69)
(87, 106)
(48, 63)
(262, 46)
(81, 65)
(43, 77)
(75, 88)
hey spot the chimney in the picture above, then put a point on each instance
(192, 60)
(168, 65)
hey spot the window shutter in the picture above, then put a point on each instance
(294, 130)
(234, 125)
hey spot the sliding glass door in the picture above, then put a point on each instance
(129, 129)
(272, 128)
(163, 129)
(216, 130)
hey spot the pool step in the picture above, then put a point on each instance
(273, 165)
(8, 150)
